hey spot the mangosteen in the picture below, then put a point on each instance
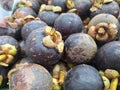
(34, 4)
(68, 23)
(83, 77)
(82, 6)
(79, 48)
(104, 28)
(23, 11)
(30, 77)
(104, 6)
(30, 26)
(61, 3)
(9, 51)
(48, 17)
(108, 56)
(44, 46)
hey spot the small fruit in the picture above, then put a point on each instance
(68, 23)
(83, 77)
(107, 56)
(30, 77)
(79, 48)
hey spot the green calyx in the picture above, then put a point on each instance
(7, 53)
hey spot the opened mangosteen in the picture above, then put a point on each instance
(68, 23)
(44, 46)
(30, 26)
(104, 6)
(29, 77)
(61, 3)
(9, 51)
(108, 56)
(83, 77)
(79, 48)
(104, 28)
(82, 6)
(23, 11)
(48, 17)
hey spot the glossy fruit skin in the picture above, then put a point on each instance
(61, 3)
(108, 56)
(23, 11)
(68, 23)
(38, 52)
(48, 17)
(30, 26)
(10, 40)
(31, 77)
(110, 8)
(79, 48)
(83, 77)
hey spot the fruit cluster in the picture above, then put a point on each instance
(60, 45)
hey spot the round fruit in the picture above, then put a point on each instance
(104, 28)
(68, 23)
(110, 7)
(83, 77)
(9, 51)
(108, 56)
(30, 77)
(23, 11)
(44, 46)
(30, 26)
(48, 17)
(79, 48)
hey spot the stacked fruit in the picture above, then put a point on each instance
(60, 45)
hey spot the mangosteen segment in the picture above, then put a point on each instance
(7, 53)
(53, 39)
(103, 31)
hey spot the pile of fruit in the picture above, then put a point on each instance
(60, 45)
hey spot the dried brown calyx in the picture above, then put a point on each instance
(59, 73)
(7, 53)
(53, 39)
(53, 8)
(98, 4)
(24, 3)
(103, 31)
